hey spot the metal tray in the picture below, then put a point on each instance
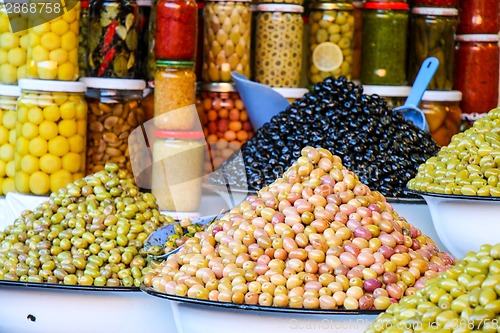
(456, 196)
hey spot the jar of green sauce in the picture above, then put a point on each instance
(384, 47)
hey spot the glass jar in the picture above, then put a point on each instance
(177, 170)
(437, 3)
(278, 51)
(51, 132)
(225, 121)
(8, 107)
(199, 40)
(175, 88)
(113, 39)
(83, 39)
(151, 58)
(13, 46)
(144, 12)
(394, 95)
(385, 35)
(148, 101)
(228, 26)
(442, 112)
(115, 111)
(358, 39)
(176, 30)
(479, 17)
(477, 75)
(331, 41)
(433, 35)
(53, 47)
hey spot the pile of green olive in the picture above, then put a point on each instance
(469, 165)
(315, 238)
(463, 299)
(88, 233)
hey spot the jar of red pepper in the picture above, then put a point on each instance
(479, 17)
(176, 28)
(477, 75)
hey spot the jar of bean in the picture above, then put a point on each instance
(51, 131)
(53, 46)
(479, 17)
(331, 40)
(443, 114)
(175, 88)
(226, 39)
(432, 34)
(225, 121)
(385, 36)
(13, 46)
(8, 116)
(394, 95)
(113, 39)
(115, 111)
(278, 54)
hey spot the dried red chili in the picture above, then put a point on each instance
(477, 62)
(436, 3)
(479, 17)
(176, 27)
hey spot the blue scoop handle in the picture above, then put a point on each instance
(424, 77)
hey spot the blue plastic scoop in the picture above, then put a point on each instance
(410, 109)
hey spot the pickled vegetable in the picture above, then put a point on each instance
(13, 46)
(316, 238)
(88, 233)
(8, 99)
(469, 165)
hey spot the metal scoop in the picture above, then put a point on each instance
(410, 109)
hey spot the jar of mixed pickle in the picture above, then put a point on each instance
(228, 26)
(278, 50)
(13, 46)
(8, 117)
(113, 39)
(331, 41)
(51, 133)
(115, 110)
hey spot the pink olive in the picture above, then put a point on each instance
(390, 278)
(366, 302)
(374, 208)
(371, 284)
(362, 232)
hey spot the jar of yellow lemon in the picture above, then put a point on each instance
(51, 134)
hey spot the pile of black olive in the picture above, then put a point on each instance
(379, 145)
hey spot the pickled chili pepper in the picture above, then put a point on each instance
(106, 61)
(176, 29)
(108, 36)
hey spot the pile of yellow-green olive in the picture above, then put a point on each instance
(88, 233)
(462, 299)
(469, 165)
(315, 238)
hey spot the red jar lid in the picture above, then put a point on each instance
(164, 134)
(387, 5)
(84, 4)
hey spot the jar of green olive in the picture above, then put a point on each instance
(228, 26)
(278, 58)
(331, 41)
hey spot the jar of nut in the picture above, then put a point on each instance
(226, 39)
(331, 40)
(225, 121)
(278, 55)
(115, 111)
(51, 130)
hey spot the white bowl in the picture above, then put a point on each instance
(464, 223)
(199, 316)
(28, 307)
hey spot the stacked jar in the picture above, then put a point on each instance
(477, 58)
(13, 46)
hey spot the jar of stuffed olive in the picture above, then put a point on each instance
(385, 36)
(13, 46)
(278, 54)
(331, 40)
(432, 34)
(113, 39)
(393, 95)
(51, 133)
(228, 26)
(8, 116)
(115, 111)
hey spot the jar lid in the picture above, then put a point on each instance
(280, 8)
(144, 3)
(174, 63)
(291, 92)
(84, 4)
(117, 84)
(49, 85)
(476, 38)
(218, 87)
(358, 4)
(332, 6)
(387, 91)
(442, 96)
(164, 134)
(387, 5)
(435, 11)
(9, 90)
